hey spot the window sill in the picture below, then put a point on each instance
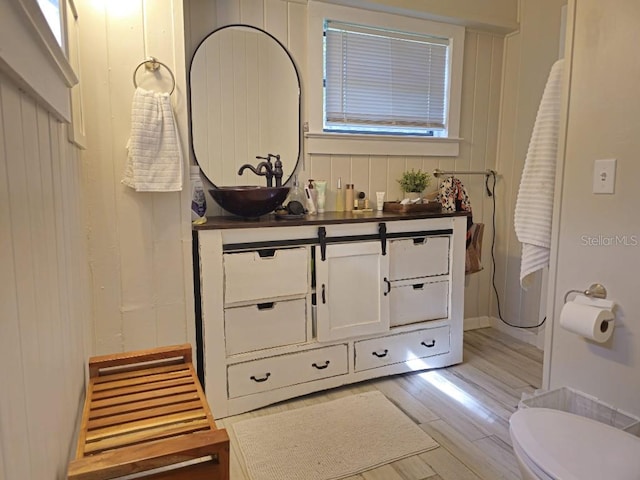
(350, 144)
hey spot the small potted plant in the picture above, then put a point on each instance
(413, 183)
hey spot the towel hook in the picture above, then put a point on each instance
(151, 64)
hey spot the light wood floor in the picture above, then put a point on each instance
(465, 408)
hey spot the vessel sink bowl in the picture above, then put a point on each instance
(249, 201)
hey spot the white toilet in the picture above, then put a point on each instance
(556, 445)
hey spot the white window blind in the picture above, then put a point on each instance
(383, 81)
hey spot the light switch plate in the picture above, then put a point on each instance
(604, 176)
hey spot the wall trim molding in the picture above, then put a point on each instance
(535, 338)
(530, 336)
(474, 323)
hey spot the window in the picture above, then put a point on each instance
(51, 12)
(384, 82)
(381, 83)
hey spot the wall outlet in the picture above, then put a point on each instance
(604, 175)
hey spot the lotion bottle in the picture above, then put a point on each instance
(311, 205)
(321, 194)
(339, 196)
(313, 191)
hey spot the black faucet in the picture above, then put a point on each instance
(266, 169)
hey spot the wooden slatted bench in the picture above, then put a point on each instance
(145, 413)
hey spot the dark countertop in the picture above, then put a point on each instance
(227, 222)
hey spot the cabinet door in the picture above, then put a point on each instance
(352, 291)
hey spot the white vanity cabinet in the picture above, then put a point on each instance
(386, 293)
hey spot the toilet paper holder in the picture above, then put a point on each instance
(596, 290)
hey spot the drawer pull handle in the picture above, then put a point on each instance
(429, 345)
(386, 280)
(321, 367)
(420, 241)
(418, 286)
(260, 380)
(324, 294)
(380, 355)
(267, 253)
(266, 306)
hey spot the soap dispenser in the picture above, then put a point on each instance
(296, 194)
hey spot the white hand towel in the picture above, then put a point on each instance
(154, 163)
(534, 205)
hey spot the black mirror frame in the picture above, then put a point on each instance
(295, 68)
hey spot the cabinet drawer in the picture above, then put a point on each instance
(284, 370)
(403, 347)
(418, 300)
(250, 276)
(265, 325)
(419, 257)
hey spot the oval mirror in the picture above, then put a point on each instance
(245, 103)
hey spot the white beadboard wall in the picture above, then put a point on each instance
(529, 55)
(286, 20)
(44, 289)
(139, 243)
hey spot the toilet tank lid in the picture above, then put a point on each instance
(568, 446)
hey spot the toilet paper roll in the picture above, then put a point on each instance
(590, 322)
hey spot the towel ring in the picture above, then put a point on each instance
(152, 64)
